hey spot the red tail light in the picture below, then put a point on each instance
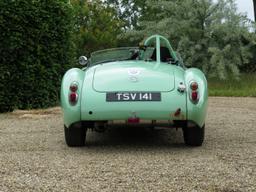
(73, 87)
(194, 86)
(194, 96)
(73, 97)
(194, 93)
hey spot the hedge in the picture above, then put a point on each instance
(35, 51)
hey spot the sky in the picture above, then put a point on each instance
(246, 6)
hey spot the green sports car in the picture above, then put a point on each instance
(145, 86)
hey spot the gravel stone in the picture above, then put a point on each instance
(34, 156)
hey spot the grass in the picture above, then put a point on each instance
(244, 87)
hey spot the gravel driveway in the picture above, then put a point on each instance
(34, 156)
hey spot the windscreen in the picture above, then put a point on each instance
(120, 54)
(109, 55)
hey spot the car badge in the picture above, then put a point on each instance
(133, 71)
(133, 79)
(133, 74)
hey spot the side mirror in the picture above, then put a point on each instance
(83, 60)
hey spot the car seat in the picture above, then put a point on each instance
(165, 55)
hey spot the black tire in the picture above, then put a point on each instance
(194, 136)
(75, 135)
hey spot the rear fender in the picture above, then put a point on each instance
(196, 112)
(72, 113)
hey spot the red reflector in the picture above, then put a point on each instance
(177, 113)
(194, 95)
(194, 86)
(73, 97)
(134, 120)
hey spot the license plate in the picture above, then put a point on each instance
(135, 96)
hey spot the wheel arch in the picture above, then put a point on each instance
(197, 111)
(72, 113)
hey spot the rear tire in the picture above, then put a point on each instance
(75, 135)
(194, 136)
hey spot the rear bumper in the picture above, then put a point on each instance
(143, 124)
(147, 117)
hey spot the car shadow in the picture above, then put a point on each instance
(136, 138)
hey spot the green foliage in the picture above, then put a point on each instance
(244, 87)
(96, 26)
(36, 49)
(209, 35)
(129, 11)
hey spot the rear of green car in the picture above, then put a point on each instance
(134, 93)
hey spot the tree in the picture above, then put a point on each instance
(96, 26)
(129, 11)
(36, 50)
(209, 35)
